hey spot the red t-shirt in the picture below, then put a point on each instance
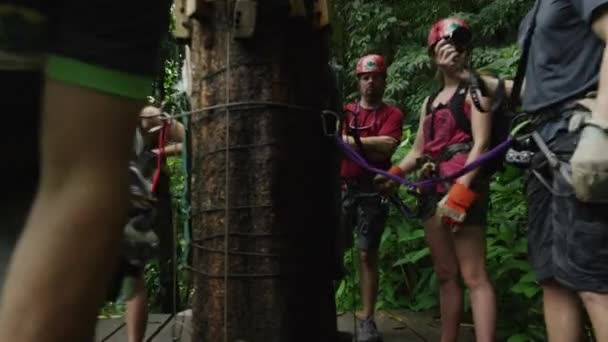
(384, 121)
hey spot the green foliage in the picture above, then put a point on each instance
(398, 29)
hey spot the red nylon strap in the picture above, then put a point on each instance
(162, 138)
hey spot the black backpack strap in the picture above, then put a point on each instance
(457, 109)
(474, 86)
(500, 96)
(431, 111)
(429, 102)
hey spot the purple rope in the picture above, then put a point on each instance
(484, 158)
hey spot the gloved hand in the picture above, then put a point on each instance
(590, 162)
(387, 186)
(453, 207)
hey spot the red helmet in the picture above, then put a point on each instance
(454, 28)
(371, 63)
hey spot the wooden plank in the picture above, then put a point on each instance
(391, 329)
(107, 327)
(420, 323)
(395, 326)
(183, 329)
(426, 327)
(155, 323)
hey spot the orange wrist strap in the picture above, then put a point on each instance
(462, 195)
(397, 171)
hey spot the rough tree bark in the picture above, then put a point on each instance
(281, 182)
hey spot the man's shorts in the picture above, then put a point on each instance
(366, 214)
(104, 45)
(567, 239)
(109, 46)
(21, 122)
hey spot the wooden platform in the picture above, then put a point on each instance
(395, 326)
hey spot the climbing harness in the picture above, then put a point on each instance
(355, 157)
(420, 186)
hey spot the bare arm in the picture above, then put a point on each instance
(172, 149)
(177, 132)
(376, 148)
(176, 137)
(408, 163)
(481, 129)
(491, 83)
(600, 27)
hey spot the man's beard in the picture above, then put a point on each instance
(374, 95)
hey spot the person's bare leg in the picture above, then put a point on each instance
(596, 305)
(62, 265)
(439, 240)
(137, 312)
(369, 281)
(471, 250)
(562, 311)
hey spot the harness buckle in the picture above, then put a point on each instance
(428, 168)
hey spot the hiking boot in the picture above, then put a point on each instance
(367, 331)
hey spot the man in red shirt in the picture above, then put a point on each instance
(374, 128)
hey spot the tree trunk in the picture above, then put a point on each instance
(164, 230)
(275, 170)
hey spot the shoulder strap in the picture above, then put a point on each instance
(475, 98)
(457, 108)
(355, 132)
(429, 102)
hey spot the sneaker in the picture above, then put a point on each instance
(367, 331)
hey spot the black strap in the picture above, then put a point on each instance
(451, 150)
(429, 102)
(523, 60)
(475, 84)
(552, 159)
(356, 135)
(457, 109)
(497, 100)
(430, 110)
(476, 102)
(499, 95)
